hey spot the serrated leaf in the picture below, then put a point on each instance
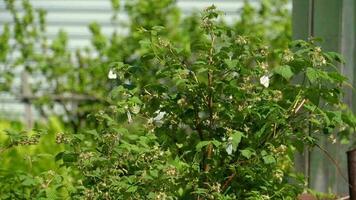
(132, 189)
(285, 71)
(231, 63)
(246, 153)
(335, 56)
(59, 156)
(312, 74)
(201, 144)
(154, 173)
(66, 157)
(336, 76)
(236, 139)
(269, 159)
(216, 143)
(28, 181)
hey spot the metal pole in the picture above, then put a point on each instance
(351, 164)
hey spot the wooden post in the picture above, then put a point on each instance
(25, 95)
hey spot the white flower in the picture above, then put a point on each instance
(159, 115)
(112, 74)
(129, 117)
(158, 119)
(229, 148)
(332, 138)
(264, 80)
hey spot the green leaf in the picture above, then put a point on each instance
(261, 131)
(154, 173)
(216, 143)
(335, 56)
(180, 191)
(246, 153)
(337, 77)
(236, 139)
(312, 74)
(29, 181)
(132, 189)
(231, 63)
(201, 144)
(285, 71)
(66, 157)
(268, 159)
(59, 156)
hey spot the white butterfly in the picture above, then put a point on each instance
(264, 80)
(112, 74)
(229, 148)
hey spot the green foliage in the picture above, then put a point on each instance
(192, 108)
(217, 121)
(28, 169)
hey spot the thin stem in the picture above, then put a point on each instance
(338, 169)
(209, 150)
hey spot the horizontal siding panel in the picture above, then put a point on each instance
(73, 16)
(52, 5)
(81, 18)
(227, 7)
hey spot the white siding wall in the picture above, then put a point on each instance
(74, 15)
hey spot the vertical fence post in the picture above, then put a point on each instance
(25, 96)
(328, 22)
(323, 19)
(303, 28)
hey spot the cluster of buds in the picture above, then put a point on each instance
(113, 109)
(241, 40)
(60, 138)
(281, 150)
(86, 155)
(51, 173)
(162, 42)
(89, 194)
(278, 174)
(155, 154)
(287, 56)
(112, 137)
(317, 58)
(263, 51)
(161, 196)
(99, 116)
(277, 95)
(29, 141)
(182, 102)
(216, 187)
(207, 24)
(171, 171)
(264, 66)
